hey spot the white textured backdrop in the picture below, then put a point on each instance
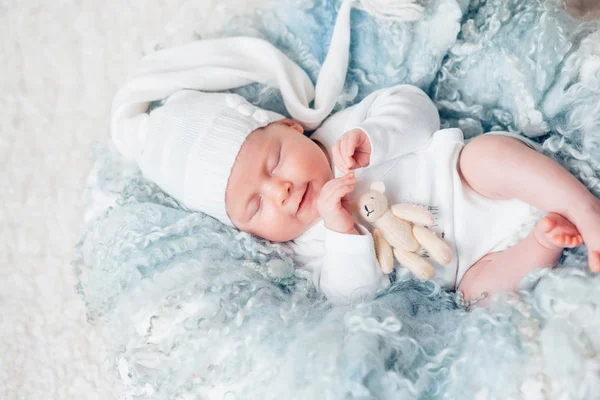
(60, 65)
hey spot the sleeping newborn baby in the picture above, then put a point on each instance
(505, 208)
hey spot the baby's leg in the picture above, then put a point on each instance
(502, 271)
(500, 167)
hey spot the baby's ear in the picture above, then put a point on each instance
(292, 124)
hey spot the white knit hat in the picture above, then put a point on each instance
(189, 145)
(192, 143)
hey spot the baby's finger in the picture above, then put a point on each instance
(352, 164)
(338, 160)
(344, 165)
(349, 176)
(342, 185)
(344, 146)
(346, 202)
(362, 159)
(347, 180)
(349, 148)
(341, 191)
(333, 184)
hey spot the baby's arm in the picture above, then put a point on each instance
(398, 120)
(350, 270)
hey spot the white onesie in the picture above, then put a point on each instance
(418, 164)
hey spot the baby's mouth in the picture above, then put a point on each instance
(302, 199)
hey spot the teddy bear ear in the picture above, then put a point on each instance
(378, 186)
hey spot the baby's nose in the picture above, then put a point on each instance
(284, 193)
(281, 191)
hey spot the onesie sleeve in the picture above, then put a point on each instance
(398, 120)
(350, 270)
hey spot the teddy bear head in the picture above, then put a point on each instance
(373, 204)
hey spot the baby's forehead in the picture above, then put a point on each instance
(254, 144)
(261, 143)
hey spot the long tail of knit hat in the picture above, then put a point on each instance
(189, 145)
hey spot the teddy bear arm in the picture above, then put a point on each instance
(413, 213)
(415, 264)
(397, 232)
(437, 248)
(383, 252)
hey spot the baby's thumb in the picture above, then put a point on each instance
(343, 165)
(352, 163)
(349, 205)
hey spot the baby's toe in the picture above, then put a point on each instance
(559, 239)
(571, 241)
(576, 241)
(594, 261)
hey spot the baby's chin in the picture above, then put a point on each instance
(281, 237)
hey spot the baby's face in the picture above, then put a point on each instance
(275, 182)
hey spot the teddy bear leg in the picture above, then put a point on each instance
(437, 248)
(383, 252)
(415, 264)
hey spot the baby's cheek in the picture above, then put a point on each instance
(276, 227)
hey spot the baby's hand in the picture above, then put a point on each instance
(352, 150)
(333, 205)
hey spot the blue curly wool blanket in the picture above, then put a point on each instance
(198, 310)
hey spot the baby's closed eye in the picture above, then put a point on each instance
(274, 159)
(254, 206)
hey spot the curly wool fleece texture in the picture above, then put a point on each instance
(200, 310)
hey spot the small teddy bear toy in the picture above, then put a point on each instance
(403, 228)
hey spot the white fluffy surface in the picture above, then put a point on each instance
(62, 62)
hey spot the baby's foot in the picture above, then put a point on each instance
(556, 232)
(587, 220)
